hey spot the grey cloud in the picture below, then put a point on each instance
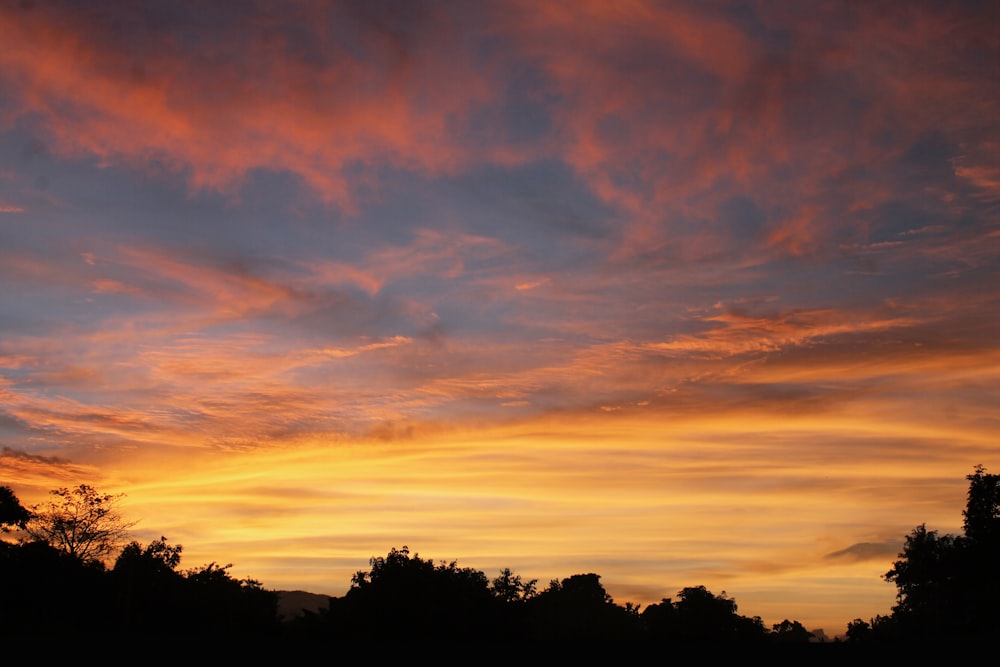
(11, 453)
(862, 551)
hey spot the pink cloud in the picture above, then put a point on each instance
(199, 111)
(663, 110)
(671, 109)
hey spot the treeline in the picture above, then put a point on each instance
(47, 591)
(406, 597)
(58, 578)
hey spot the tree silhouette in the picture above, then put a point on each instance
(218, 603)
(982, 510)
(981, 566)
(153, 597)
(59, 585)
(948, 585)
(880, 628)
(790, 632)
(927, 596)
(509, 587)
(46, 589)
(148, 588)
(703, 616)
(12, 513)
(405, 597)
(699, 615)
(659, 620)
(80, 521)
(579, 609)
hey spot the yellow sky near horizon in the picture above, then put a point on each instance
(794, 518)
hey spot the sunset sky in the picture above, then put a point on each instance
(680, 293)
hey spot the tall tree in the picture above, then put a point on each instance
(982, 510)
(80, 521)
(949, 585)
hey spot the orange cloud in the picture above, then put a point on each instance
(232, 293)
(199, 112)
(672, 109)
(756, 118)
(740, 332)
(395, 341)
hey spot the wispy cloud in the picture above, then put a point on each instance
(736, 331)
(877, 551)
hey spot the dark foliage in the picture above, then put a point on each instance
(405, 597)
(12, 513)
(578, 608)
(47, 589)
(698, 615)
(790, 632)
(947, 585)
(59, 588)
(146, 586)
